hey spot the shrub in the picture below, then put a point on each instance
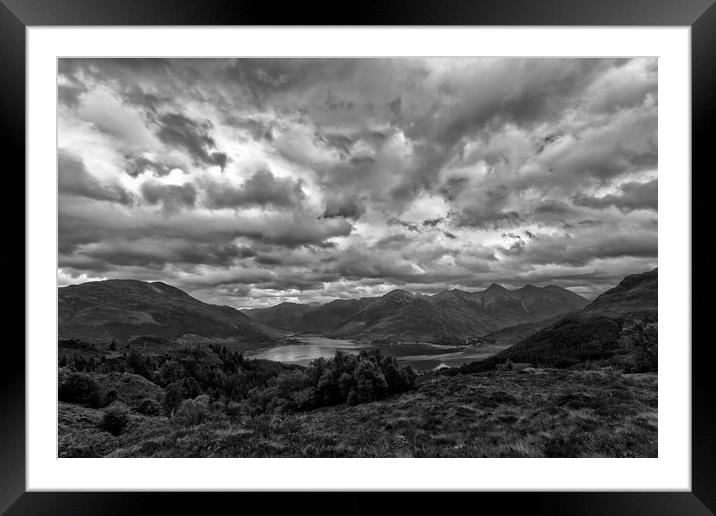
(329, 389)
(171, 371)
(115, 418)
(192, 411)
(305, 399)
(289, 383)
(191, 387)
(369, 383)
(345, 383)
(138, 364)
(80, 388)
(234, 409)
(173, 397)
(640, 340)
(398, 379)
(149, 407)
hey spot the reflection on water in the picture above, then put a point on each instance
(423, 357)
(312, 347)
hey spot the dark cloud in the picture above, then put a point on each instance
(261, 189)
(297, 232)
(171, 197)
(566, 250)
(631, 196)
(357, 160)
(136, 165)
(138, 97)
(181, 131)
(513, 236)
(154, 253)
(433, 222)
(393, 221)
(69, 95)
(524, 91)
(264, 78)
(74, 179)
(340, 207)
(391, 241)
(481, 216)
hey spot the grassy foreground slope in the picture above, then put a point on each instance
(530, 413)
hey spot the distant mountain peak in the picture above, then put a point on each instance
(398, 294)
(495, 287)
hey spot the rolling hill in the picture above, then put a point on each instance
(618, 328)
(635, 293)
(99, 311)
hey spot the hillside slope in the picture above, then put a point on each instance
(401, 315)
(618, 328)
(635, 293)
(284, 316)
(125, 309)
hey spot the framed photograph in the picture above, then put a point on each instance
(416, 250)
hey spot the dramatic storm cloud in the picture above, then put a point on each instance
(254, 181)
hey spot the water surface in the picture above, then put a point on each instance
(422, 356)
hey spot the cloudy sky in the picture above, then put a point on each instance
(250, 182)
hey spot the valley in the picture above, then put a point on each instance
(422, 356)
(184, 378)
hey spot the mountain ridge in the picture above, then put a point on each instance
(128, 309)
(404, 315)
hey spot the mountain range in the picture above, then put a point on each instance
(129, 309)
(401, 315)
(550, 325)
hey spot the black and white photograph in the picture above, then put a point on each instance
(436, 257)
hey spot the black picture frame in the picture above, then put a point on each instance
(700, 15)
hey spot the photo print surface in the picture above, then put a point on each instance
(364, 257)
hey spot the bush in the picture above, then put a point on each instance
(193, 411)
(398, 379)
(305, 399)
(170, 371)
(139, 365)
(149, 407)
(115, 418)
(329, 389)
(173, 397)
(80, 388)
(369, 383)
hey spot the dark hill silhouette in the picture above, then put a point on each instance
(127, 309)
(618, 328)
(284, 316)
(635, 293)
